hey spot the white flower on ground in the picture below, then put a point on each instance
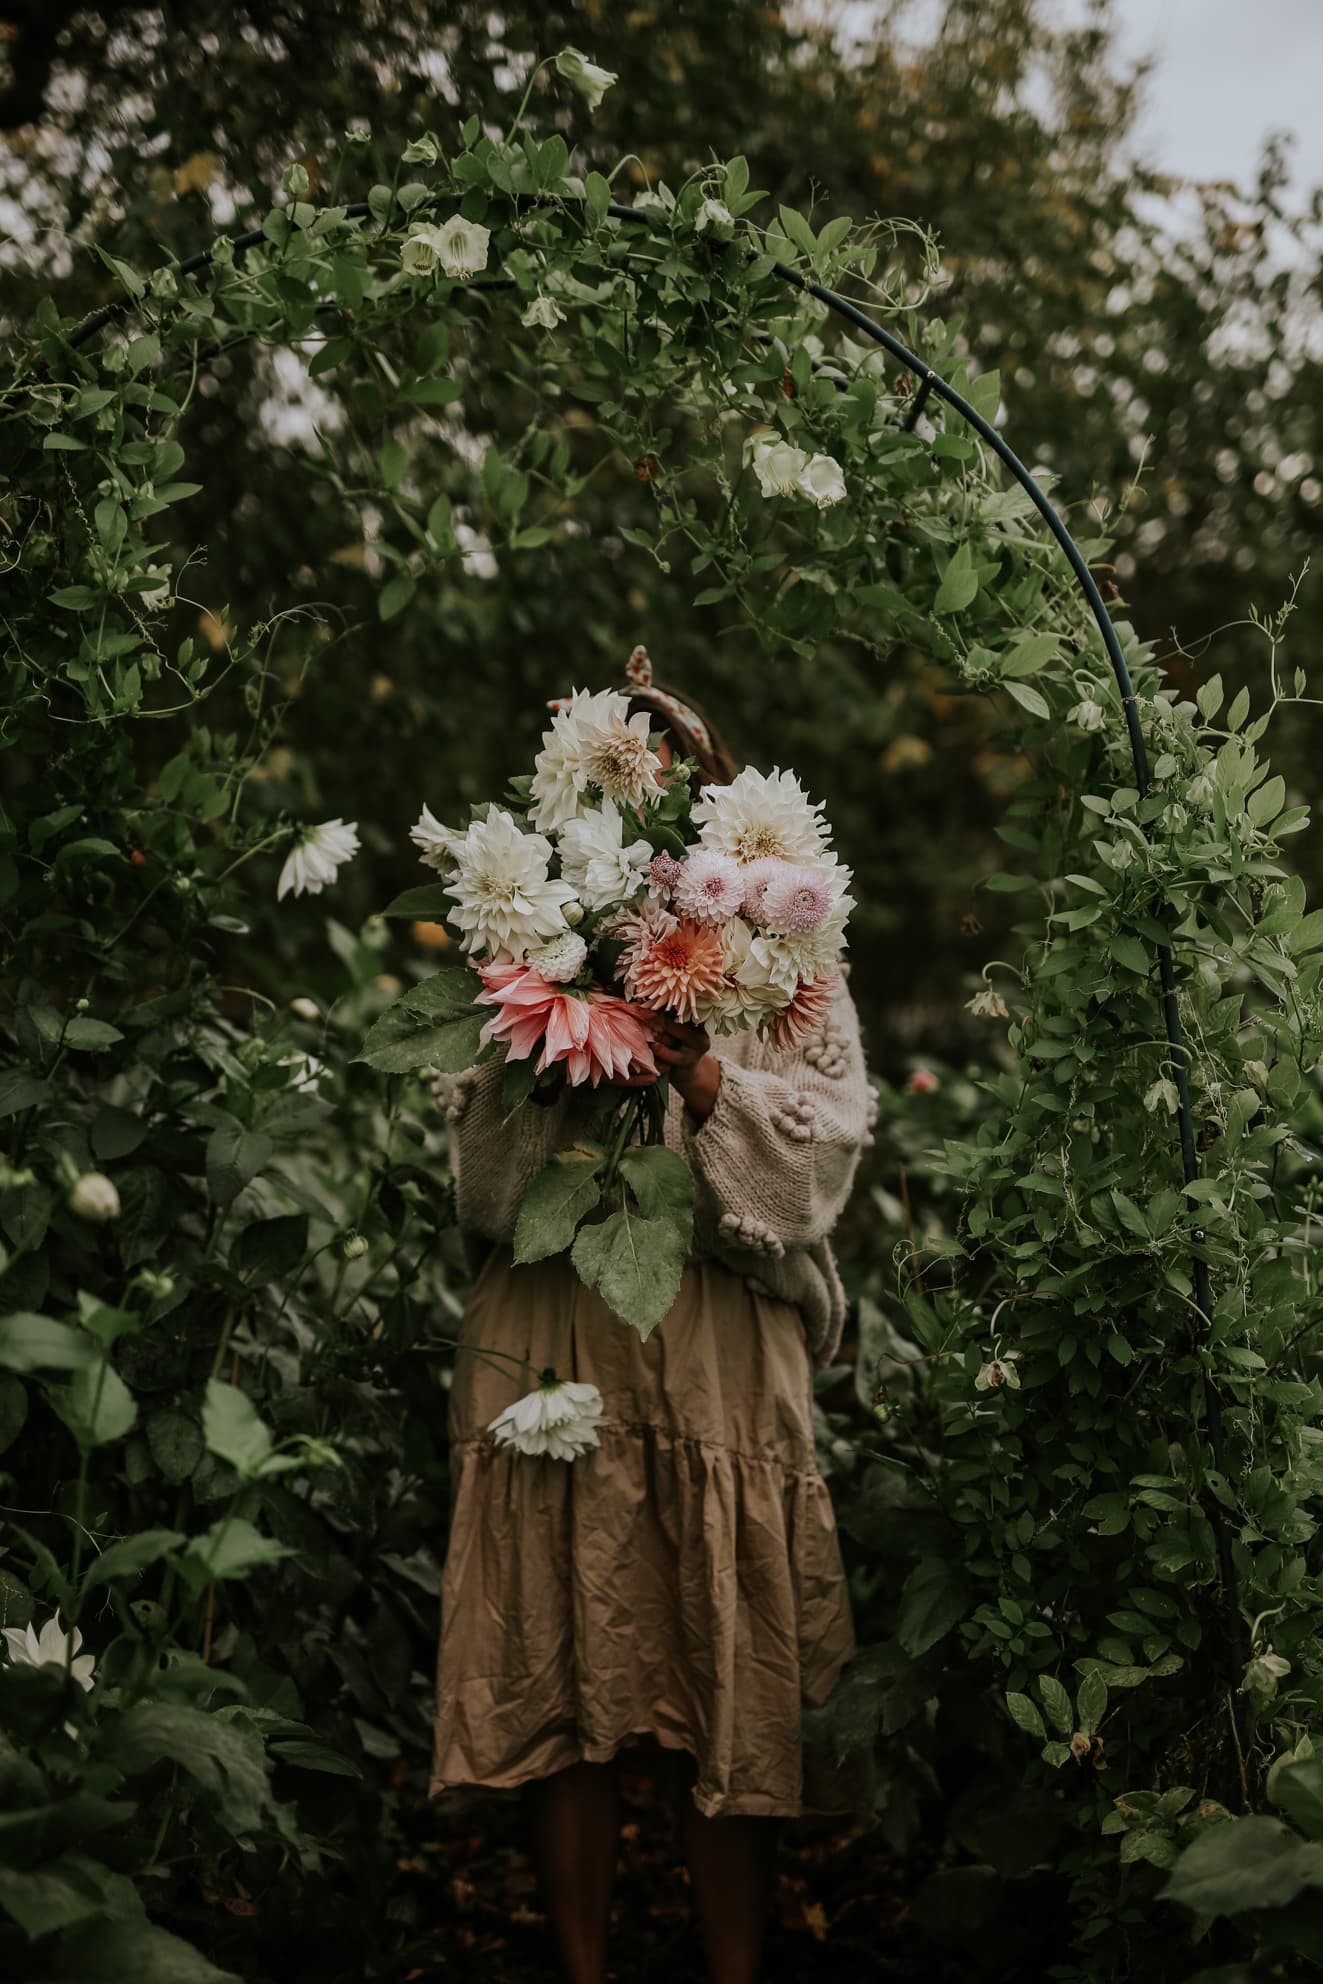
(591, 82)
(1087, 714)
(560, 773)
(560, 1419)
(436, 843)
(49, 1648)
(616, 757)
(504, 897)
(716, 215)
(998, 1371)
(543, 313)
(822, 481)
(987, 1004)
(1264, 1672)
(598, 863)
(560, 960)
(312, 864)
(94, 1196)
(762, 813)
(1165, 1094)
(778, 465)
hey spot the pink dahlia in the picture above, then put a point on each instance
(597, 1038)
(758, 875)
(803, 1017)
(796, 902)
(677, 970)
(709, 887)
(663, 871)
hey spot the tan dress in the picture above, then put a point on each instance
(682, 1580)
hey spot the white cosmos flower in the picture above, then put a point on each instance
(436, 843)
(596, 860)
(560, 1419)
(543, 313)
(312, 864)
(504, 898)
(761, 813)
(778, 465)
(591, 82)
(822, 481)
(49, 1648)
(560, 774)
(616, 757)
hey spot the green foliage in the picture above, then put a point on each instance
(1045, 1556)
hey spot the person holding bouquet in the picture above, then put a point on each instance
(643, 1564)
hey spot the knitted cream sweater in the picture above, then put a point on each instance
(773, 1163)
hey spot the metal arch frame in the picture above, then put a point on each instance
(931, 382)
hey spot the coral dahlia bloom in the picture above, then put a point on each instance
(677, 971)
(597, 1038)
(803, 1017)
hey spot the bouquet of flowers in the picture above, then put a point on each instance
(603, 900)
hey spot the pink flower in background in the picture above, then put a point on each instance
(922, 1082)
(597, 1038)
(802, 1018)
(709, 887)
(796, 901)
(758, 875)
(675, 971)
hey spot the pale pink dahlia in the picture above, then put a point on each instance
(796, 902)
(757, 877)
(803, 1017)
(597, 1038)
(663, 871)
(678, 970)
(709, 887)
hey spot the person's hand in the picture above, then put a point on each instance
(684, 1052)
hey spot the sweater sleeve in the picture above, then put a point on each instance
(493, 1158)
(779, 1150)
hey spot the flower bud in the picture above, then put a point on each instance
(572, 911)
(295, 181)
(307, 1009)
(354, 1246)
(93, 1196)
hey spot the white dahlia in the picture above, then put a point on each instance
(50, 1648)
(596, 861)
(436, 843)
(313, 862)
(762, 813)
(560, 773)
(815, 953)
(754, 988)
(560, 1419)
(504, 898)
(560, 959)
(616, 757)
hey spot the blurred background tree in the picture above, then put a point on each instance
(1151, 338)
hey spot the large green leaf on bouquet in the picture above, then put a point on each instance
(563, 1193)
(635, 1265)
(663, 1184)
(433, 1022)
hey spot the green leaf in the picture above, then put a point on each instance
(231, 1428)
(315, 1756)
(38, 1343)
(635, 1265)
(235, 1155)
(663, 1184)
(20, 1090)
(268, 1249)
(428, 901)
(984, 395)
(934, 1598)
(96, 1405)
(224, 1756)
(1297, 1788)
(1267, 802)
(175, 1442)
(1091, 1702)
(1028, 697)
(395, 595)
(132, 1554)
(66, 1891)
(561, 1196)
(13, 1414)
(959, 583)
(1025, 1716)
(597, 192)
(229, 1549)
(1057, 1703)
(797, 230)
(404, 1039)
(1131, 953)
(1239, 1864)
(109, 1952)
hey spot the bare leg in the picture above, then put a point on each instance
(732, 1868)
(573, 1819)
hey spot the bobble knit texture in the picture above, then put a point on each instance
(773, 1163)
